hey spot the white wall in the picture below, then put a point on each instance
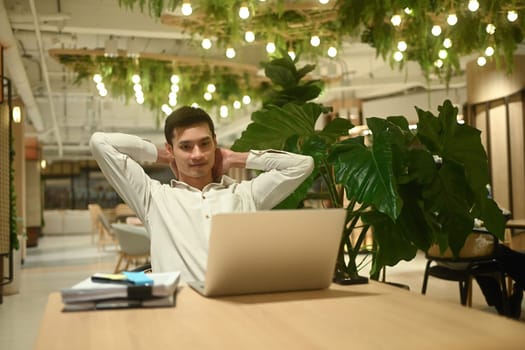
(404, 104)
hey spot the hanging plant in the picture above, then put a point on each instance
(155, 80)
(399, 30)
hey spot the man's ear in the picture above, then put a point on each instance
(169, 148)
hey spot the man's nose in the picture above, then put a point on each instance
(196, 152)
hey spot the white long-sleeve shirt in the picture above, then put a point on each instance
(177, 216)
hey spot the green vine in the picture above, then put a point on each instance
(156, 83)
(13, 225)
(367, 21)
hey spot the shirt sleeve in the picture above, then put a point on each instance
(118, 156)
(283, 173)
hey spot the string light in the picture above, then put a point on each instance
(246, 99)
(402, 46)
(206, 44)
(443, 54)
(491, 29)
(315, 41)
(208, 96)
(438, 63)
(175, 79)
(135, 78)
(223, 111)
(452, 19)
(512, 16)
(244, 12)
(230, 52)
(436, 30)
(211, 88)
(186, 9)
(291, 53)
(489, 51)
(249, 36)
(481, 61)
(97, 78)
(166, 109)
(473, 5)
(398, 56)
(447, 43)
(408, 11)
(396, 20)
(324, 2)
(270, 47)
(332, 51)
(237, 104)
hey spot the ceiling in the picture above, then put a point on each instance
(63, 115)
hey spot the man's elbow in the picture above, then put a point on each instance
(309, 165)
(96, 139)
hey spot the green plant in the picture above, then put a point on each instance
(13, 225)
(410, 188)
(371, 22)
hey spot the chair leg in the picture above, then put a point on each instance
(425, 278)
(504, 293)
(117, 267)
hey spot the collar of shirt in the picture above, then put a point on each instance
(224, 182)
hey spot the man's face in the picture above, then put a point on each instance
(194, 152)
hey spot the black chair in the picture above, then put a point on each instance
(476, 258)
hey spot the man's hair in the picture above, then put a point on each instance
(186, 116)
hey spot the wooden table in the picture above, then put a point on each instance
(371, 316)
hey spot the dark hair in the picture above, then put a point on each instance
(186, 116)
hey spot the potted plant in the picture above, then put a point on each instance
(410, 188)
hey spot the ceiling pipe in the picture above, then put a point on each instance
(45, 75)
(17, 73)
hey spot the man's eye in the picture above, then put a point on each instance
(185, 147)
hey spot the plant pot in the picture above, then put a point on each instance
(32, 236)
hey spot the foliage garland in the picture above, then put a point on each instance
(117, 73)
(368, 21)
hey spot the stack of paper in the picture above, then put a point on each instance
(92, 294)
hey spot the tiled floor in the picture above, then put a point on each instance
(61, 261)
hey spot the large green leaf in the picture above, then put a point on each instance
(273, 126)
(392, 246)
(366, 173)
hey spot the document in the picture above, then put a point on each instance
(97, 293)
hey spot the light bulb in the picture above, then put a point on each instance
(230, 52)
(481, 61)
(208, 96)
(137, 87)
(246, 99)
(172, 102)
(408, 10)
(489, 51)
(324, 2)
(512, 16)
(491, 28)
(452, 19)
(315, 41)
(447, 43)
(100, 86)
(175, 88)
(244, 12)
(237, 104)
(402, 46)
(17, 114)
(443, 54)
(436, 30)
(395, 20)
(291, 53)
(206, 44)
(438, 63)
(166, 109)
(249, 36)
(140, 100)
(186, 9)
(135, 78)
(398, 56)
(332, 51)
(175, 79)
(211, 88)
(97, 78)
(223, 111)
(473, 5)
(270, 47)
(103, 92)
(43, 164)
(195, 105)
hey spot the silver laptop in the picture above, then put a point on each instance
(271, 251)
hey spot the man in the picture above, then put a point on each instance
(177, 216)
